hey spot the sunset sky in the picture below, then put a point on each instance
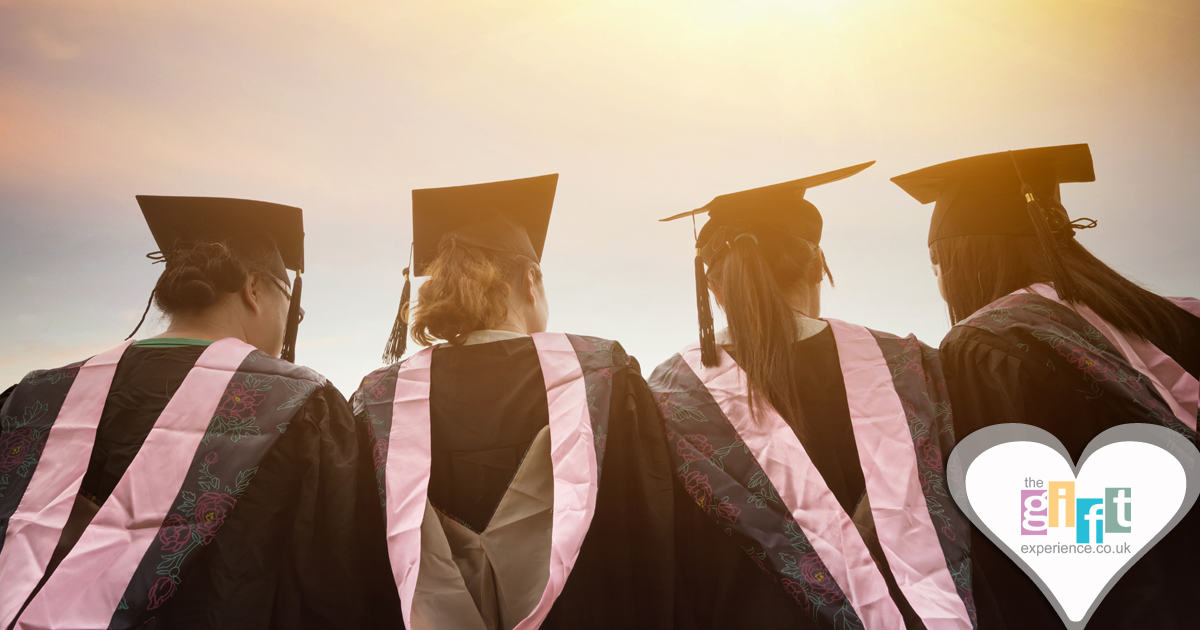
(646, 109)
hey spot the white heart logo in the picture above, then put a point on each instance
(1074, 530)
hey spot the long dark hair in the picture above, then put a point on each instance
(978, 270)
(754, 278)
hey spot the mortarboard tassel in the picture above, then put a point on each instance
(398, 340)
(293, 322)
(157, 257)
(1064, 285)
(708, 338)
(143, 319)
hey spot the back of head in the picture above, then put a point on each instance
(199, 274)
(758, 278)
(467, 290)
(977, 270)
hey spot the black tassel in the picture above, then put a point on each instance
(1063, 282)
(708, 338)
(295, 313)
(143, 319)
(398, 341)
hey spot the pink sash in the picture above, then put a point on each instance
(1173, 383)
(775, 447)
(88, 586)
(36, 526)
(572, 455)
(889, 461)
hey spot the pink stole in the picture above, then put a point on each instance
(1180, 389)
(88, 585)
(889, 462)
(34, 529)
(572, 455)
(888, 457)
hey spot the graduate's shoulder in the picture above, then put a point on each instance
(259, 362)
(664, 371)
(908, 342)
(601, 353)
(965, 339)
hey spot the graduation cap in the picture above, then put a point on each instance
(244, 225)
(509, 217)
(779, 208)
(1011, 193)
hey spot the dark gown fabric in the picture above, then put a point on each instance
(722, 587)
(487, 404)
(290, 553)
(481, 426)
(993, 381)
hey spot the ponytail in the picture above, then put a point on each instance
(754, 277)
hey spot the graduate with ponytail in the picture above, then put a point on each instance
(194, 479)
(808, 452)
(1047, 334)
(523, 474)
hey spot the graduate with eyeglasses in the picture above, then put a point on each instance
(194, 479)
(808, 452)
(1047, 334)
(523, 473)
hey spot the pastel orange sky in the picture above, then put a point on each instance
(646, 109)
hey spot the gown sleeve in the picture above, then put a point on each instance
(337, 539)
(991, 381)
(4, 396)
(298, 550)
(625, 572)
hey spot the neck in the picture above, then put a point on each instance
(806, 302)
(508, 326)
(212, 325)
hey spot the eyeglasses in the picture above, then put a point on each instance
(279, 284)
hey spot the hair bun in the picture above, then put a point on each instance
(196, 276)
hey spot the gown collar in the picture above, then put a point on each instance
(805, 327)
(488, 336)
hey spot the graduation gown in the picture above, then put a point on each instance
(525, 481)
(242, 511)
(1029, 359)
(747, 556)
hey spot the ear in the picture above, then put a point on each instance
(530, 292)
(252, 293)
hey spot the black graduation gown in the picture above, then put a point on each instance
(487, 404)
(722, 587)
(289, 553)
(992, 381)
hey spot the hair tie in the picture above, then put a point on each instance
(735, 239)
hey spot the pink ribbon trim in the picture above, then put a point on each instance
(572, 455)
(782, 457)
(36, 526)
(889, 461)
(1173, 383)
(406, 481)
(88, 586)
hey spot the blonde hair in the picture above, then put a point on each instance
(467, 290)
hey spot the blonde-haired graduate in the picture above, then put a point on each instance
(523, 473)
(808, 452)
(1047, 334)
